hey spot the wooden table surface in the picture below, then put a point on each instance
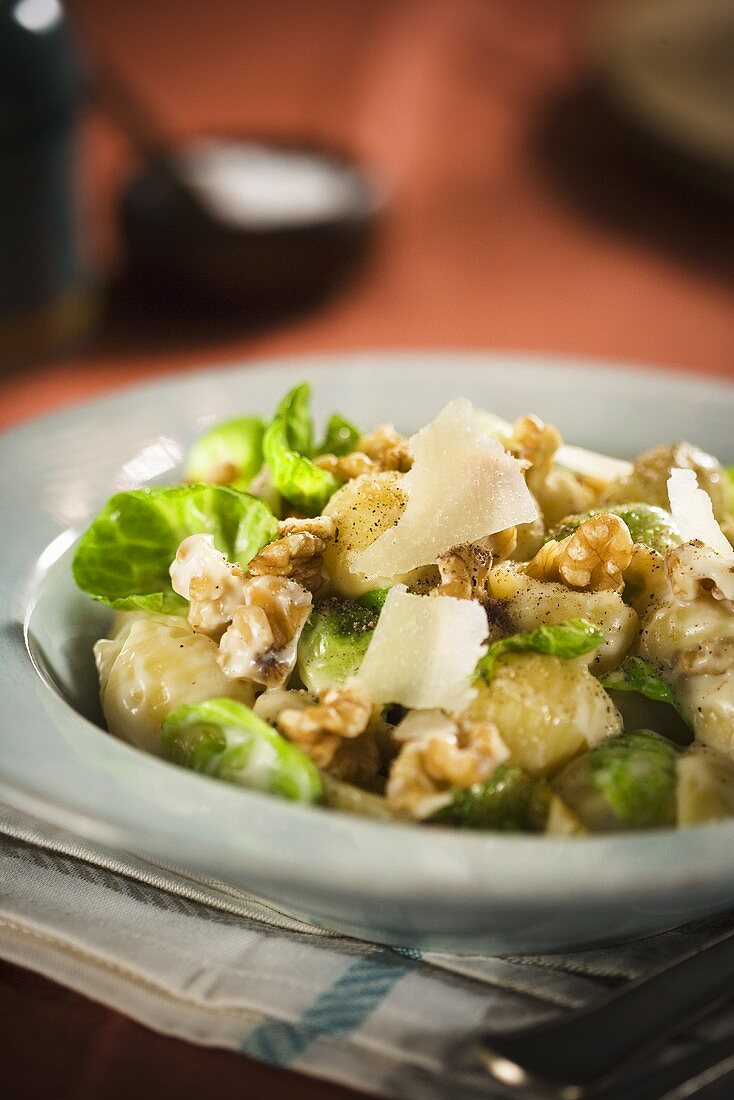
(523, 214)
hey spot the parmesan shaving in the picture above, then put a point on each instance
(424, 651)
(462, 487)
(693, 512)
(591, 464)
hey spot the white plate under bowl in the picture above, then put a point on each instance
(393, 883)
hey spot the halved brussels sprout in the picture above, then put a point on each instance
(230, 453)
(227, 740)
(627, 783)
(511, 801)
(334, 642)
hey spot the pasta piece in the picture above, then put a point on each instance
(525, 603)
(546, 710)
(155, 664)
(648, 481)
(362, 509)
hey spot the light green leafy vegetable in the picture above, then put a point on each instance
(568, 640)
(123, 558)
(647, 524)
(341, 436)
(334, 642)
(634, 674)
(288, 447)
(628, 782)
(230, 453)
(511, 801)
(227, 740)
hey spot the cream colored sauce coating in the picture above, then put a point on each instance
(672, 628)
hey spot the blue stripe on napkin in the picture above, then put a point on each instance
(338, 1011)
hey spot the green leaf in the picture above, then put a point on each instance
(334, 642)
(287, 445)
(511, 802)
(227, 740)
(230, 453)
(636, 775)
(341, 437)
(124, 557)
(571, 639)
(634, 674)
(647, 524)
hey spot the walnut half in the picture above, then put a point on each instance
(387, 448)
(384, 449)
(592, 559)
(534, 443)
(212, 585)
(334, 732)
(464, 571)
(439, 753)
(298, 553)
(260, 644)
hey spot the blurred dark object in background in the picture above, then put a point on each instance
(634, 185)
(644, 145)
(46, 295)
(258, 222)
(668, 67)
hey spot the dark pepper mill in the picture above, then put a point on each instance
(46, 301)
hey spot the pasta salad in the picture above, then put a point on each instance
(475, 626)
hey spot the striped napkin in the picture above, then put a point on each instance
(195, 959)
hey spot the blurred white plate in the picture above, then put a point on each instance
(399, 884)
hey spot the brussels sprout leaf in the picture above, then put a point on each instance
(341, 436)
(634, 674)
(571, 639)
(123, 558)
(288, 445)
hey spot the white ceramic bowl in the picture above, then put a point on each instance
(393, 883)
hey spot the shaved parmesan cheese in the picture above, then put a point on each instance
(693, 512)
(591, 464)
(462, 487)
(424, 650)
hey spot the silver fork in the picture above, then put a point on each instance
(586, 1053)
